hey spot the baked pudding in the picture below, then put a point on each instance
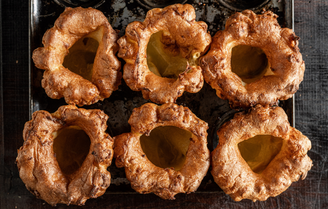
(166, 151)
(259, 154)
(254, 61)
(65, 155)
(78, 57)
(162, 53)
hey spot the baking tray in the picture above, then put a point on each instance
(205, 104)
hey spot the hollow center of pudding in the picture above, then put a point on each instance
(166, 146)
(259, 151)
(82, 54)
(71, 146)
(249, 63)
(164, 57)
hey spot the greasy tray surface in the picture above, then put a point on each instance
(205, 104)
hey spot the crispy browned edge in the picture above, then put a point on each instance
(281, 48)
(39, 169)
(232, 173)
(59, 81)
(190, 36)
(144, 176)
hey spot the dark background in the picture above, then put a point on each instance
(311, 118)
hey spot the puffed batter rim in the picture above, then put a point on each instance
(281, 48)
(232, 173)
(39, 169)
(179, 20)
(58, 81)
(144, 176)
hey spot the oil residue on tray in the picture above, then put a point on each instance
(239, 5)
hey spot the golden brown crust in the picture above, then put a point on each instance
(232, 173)
(281, 48)
(39, 169)
(144, 176)
(58, 81)
(189, 35)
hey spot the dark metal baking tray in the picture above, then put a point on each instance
(205, 104)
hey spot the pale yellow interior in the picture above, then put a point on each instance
(166, 146)
(165, 60)
(71, 146)
(249, 63)
(82, 54)
(259, 151)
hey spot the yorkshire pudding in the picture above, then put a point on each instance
(65, 155)
(254, 61)
(259, 154)
(90, 71)
(162, 53)
(145, 158)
